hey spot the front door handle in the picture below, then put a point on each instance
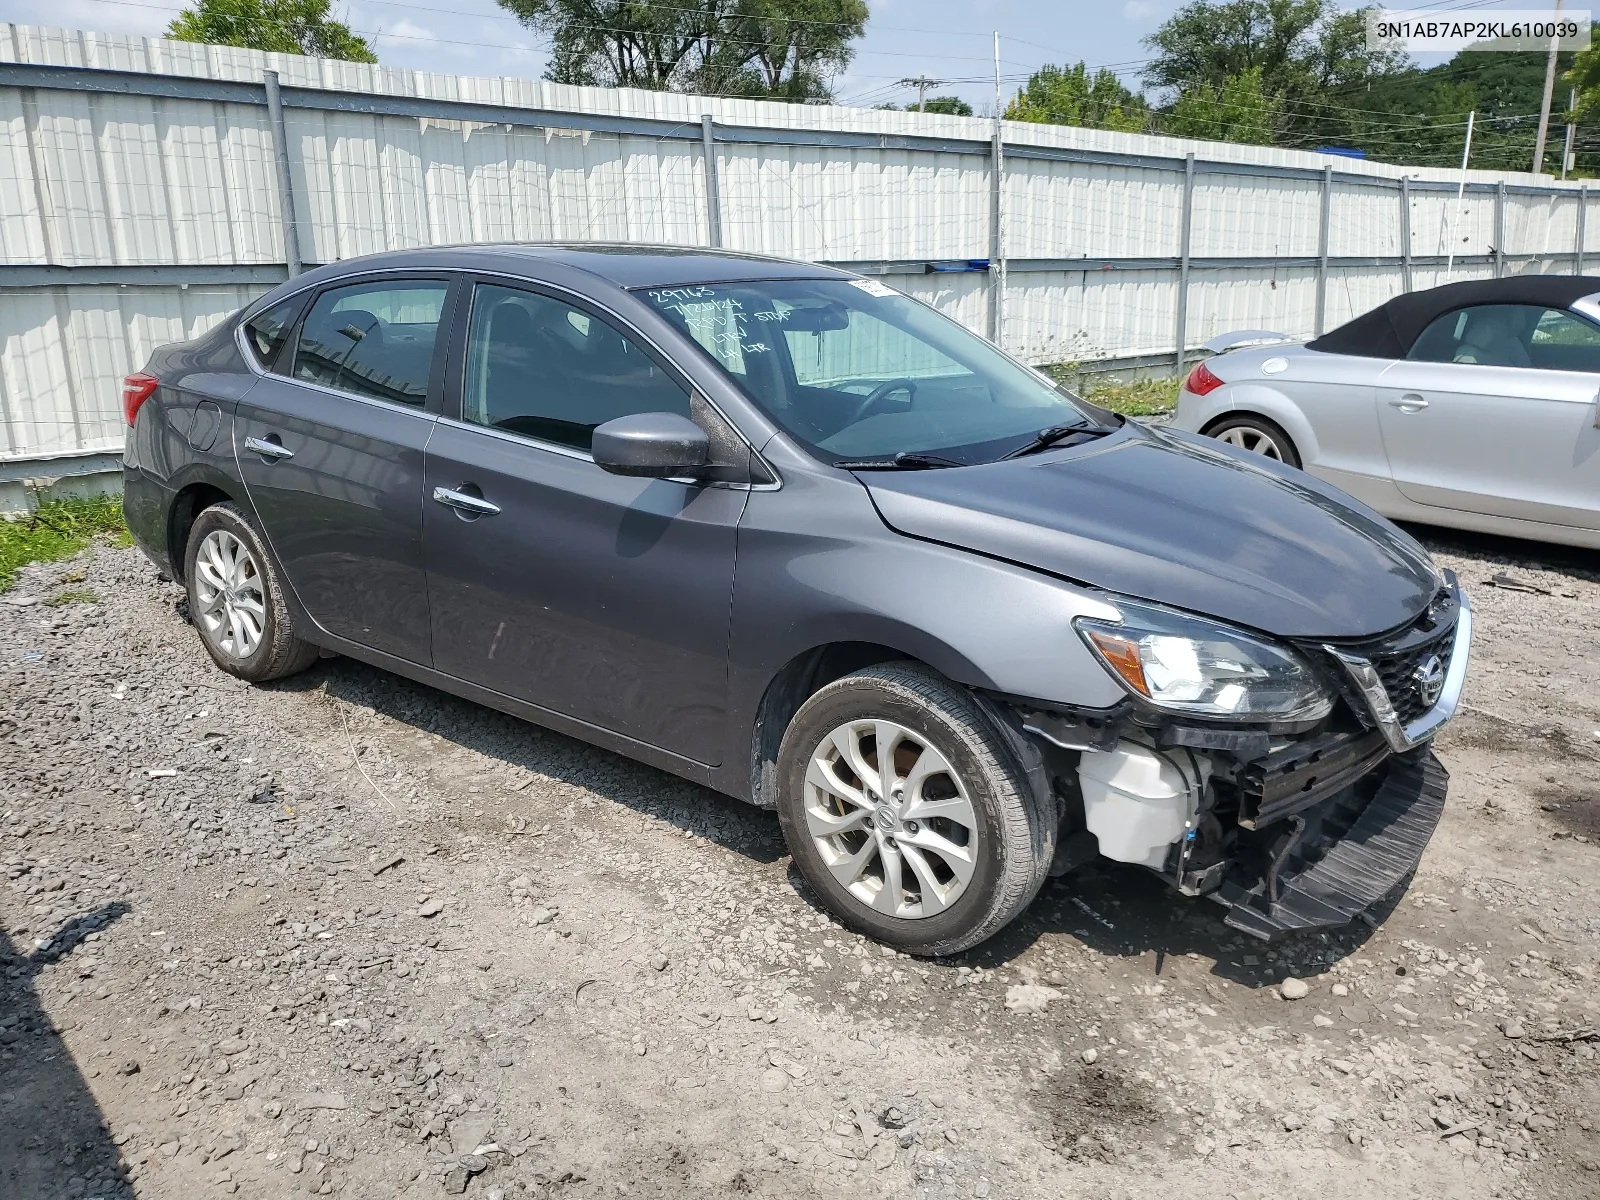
(462, 502)
(1409, 403)
(274, 450)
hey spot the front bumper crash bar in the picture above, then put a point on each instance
(1368, 863)
(1303, 774)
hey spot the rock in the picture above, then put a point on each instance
(128, 1068)
(455, 1180)
(1321, 1022)
(1291, 1122)
(1512, 1028)
(313, 1100)
(469, 1131)
(658, 962)
(1294, 989)
(541, 916)
(476, 1164)
(1339, 989)
(431, 908)
(774, 1080)
(1030, 997)
(1091, 1055)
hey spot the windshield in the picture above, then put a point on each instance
(854, 370)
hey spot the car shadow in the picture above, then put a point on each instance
(1509, 551)
(1128, 913)
(52, 1131)
(1125, 913)
(1115, 910)
(555, 756)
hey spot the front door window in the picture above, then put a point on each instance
(546, 370)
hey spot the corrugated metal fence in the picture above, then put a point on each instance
(142, 198)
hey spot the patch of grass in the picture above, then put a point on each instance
(1139, 398)
(57, 530)
(74, 596)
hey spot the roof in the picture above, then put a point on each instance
(1389, 330)
(624, 264)
(629, 264)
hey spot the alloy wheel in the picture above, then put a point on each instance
(1255, 441)
(228, 585)
(891, 819)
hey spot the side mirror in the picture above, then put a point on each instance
(655, 445)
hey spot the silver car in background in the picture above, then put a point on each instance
(1474, 405)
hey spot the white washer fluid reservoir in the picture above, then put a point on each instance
(1137, 802)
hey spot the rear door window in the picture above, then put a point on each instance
(546, 370)
(373, 339)
(268, 330)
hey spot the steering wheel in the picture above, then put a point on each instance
(887, 388)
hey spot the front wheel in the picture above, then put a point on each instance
(908, 812)
(1257, 435)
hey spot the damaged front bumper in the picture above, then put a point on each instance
(1368, 862)
(1293, 833)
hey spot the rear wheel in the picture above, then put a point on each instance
(236, 599)
(1257, 435)
(906, 809)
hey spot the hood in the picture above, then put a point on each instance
(1179, 520)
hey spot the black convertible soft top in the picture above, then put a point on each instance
(1389, 330)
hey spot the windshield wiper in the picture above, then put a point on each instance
(906, 460)
(1054, 435)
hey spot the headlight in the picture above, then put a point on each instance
(1188, 665)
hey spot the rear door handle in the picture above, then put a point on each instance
(267, 449)
(477, 506)
(1410, 402)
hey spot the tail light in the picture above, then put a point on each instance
(136, 389)
(1201, 380)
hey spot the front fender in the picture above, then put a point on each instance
(818, 567)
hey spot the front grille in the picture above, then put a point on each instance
(1397, 656)
(1398, 672)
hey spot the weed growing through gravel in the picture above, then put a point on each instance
(1138, 398)
(74, 596)
(57, 530)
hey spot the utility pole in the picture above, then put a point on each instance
(1461, 191)
(1544, 107)
(997, 235)
(1566, 151)
(922, 83)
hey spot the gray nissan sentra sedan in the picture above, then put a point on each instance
(783, 531)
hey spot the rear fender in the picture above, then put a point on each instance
(1262, 400)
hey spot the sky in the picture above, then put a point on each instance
(952, 40)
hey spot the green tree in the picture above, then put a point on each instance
(951, 106)
(782, 49)
(278, 26)
(793, 48)
(1072, 96)
(1237, 111)
(1584, 75)
(1303, 49)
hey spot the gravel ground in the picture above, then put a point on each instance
(346, 935)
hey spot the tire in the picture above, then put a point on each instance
(1258, 436)
(977, 816)
(248, 601)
